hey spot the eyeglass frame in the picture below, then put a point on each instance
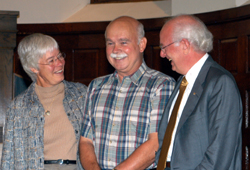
(63, 56)
(163, 49)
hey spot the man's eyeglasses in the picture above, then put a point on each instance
(61, 56)
(163, 49)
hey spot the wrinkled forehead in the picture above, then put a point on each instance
(122, 28)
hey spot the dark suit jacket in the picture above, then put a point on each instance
(209, 132)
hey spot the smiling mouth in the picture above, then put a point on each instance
(59, 71)
(170, 59)
(118, 56)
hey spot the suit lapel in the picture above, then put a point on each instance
(195, 93)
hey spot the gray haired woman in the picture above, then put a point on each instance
(42, 127)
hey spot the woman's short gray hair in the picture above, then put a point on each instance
(32, 48)
(197, 34)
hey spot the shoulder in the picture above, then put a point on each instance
(75, 86)
(217, 74)
(22, 101)
(212, 71)
(100, 81)
(219, 81)
(159, 76)
(25, 95)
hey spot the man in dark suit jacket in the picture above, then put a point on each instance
(207, 132)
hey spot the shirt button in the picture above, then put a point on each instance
(68, 114)
(76, 131)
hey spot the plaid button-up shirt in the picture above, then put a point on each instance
(119, 116)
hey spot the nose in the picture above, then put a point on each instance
(162, 54)
(116, 48)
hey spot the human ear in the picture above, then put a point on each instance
(143, 44)
(34, 70)
(185, 46)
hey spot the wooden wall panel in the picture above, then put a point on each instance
(246, 131)
(85, 65)
(228, 54)
(104, 66)
(247, 60)
(91, 41)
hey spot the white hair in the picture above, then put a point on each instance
(32, 48)
(197, 34)
(140, 32)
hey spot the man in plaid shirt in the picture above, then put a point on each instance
(123, 109)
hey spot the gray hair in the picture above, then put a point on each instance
(140, 32)
(32, 48)
(197, 34)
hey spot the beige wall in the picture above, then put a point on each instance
(200, 6)
(43, 11)
(57, 11)
(107, 12)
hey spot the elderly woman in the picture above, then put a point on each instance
(42, 127)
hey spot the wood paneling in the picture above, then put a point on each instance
(85, 62)
(84, 45)
(228, 54)
(7, 44)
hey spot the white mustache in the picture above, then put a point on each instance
(118, 56)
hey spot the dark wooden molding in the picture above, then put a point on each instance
(117, 1)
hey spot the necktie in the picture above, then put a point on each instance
(171, 124)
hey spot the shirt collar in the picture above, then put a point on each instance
(194, 71)
(135, 77)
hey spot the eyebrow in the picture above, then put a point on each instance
(52, 56)
(124, 39)
(49, 58)
(121, 39)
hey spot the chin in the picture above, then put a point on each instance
(60, 80)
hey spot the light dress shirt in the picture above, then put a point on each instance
(190, 77)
